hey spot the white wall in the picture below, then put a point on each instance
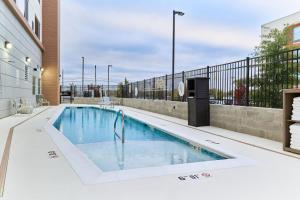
(280, 23)
(12, 74)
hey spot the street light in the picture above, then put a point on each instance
(62, 78)
(109, 66)
(95, 75)
(82, 84)
(173, 49)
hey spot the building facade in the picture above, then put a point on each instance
(291, 21)
(27, 60)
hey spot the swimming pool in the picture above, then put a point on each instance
(91, 130)
(153, 146)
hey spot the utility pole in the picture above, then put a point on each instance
(95, 75)
(109, 66)
(62, 78)
(82, 75)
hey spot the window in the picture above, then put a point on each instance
(21, 6)
(26, 73)
(39, 86)
(37, 27)
(33, 85)
(296, 34)
(26, 9)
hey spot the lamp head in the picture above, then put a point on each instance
(7, 45)
(178, 13)
(28, 60)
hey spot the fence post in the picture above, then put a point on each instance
(182, 79)
(166, 88)
(247, 80)
(153, 88)
(137, 86)
(144, 89)
(131, 92)
(207, 71)
(122, 91)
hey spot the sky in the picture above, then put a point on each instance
(135, 36)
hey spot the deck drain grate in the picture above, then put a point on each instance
(213, 142)
(38, 130)
(52, 154)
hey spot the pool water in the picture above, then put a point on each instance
(91, 130)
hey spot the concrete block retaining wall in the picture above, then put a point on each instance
(83, 100)
(262, 122)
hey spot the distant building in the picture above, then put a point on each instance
(293, 23)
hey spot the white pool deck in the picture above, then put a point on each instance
(32, 175)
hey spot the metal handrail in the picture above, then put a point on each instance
(115, 125)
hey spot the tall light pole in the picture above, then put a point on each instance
(82, 84)
(109, 66)
(173, 49)
(95, 75)
(62, 78)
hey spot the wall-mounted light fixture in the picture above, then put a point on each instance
(28, 60)
(42, 69)
(7, 45)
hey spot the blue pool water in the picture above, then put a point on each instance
(91, 130)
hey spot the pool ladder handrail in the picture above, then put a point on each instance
(115, 125)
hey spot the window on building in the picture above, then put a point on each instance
(296, 34)
(26, 7)
(26, 73)
(21, 5)
(37, 27)
(33, 85)
(39, 86)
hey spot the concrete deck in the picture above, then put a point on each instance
(32, 175)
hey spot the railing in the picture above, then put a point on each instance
(256, 81)
(68, 93)
(122, 138)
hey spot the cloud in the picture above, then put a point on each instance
(158, 25)
(135, 36)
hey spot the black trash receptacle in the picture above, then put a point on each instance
(198, 102)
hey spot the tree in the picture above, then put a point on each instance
(120, 87)
(216, 94)
(274, 43)
(273, 69)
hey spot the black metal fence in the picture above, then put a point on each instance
(68, 93)
(256, 81)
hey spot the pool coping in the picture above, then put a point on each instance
(89, 173)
